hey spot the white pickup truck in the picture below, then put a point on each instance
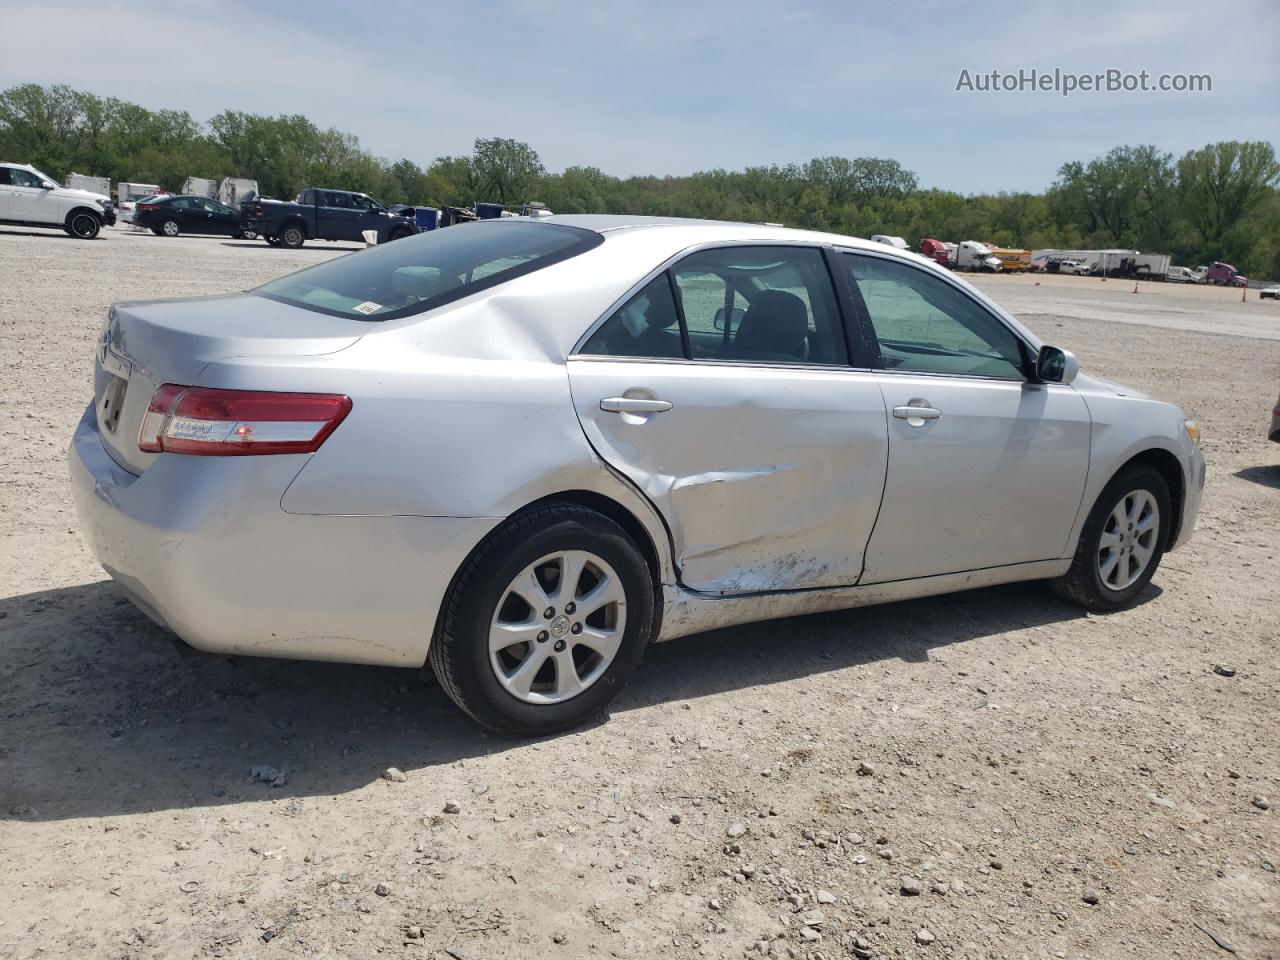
(29, 198)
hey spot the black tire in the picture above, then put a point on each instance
(170, 228)
(272, 241)
(83, 224)
(292, 236)
(460, 650)
(398, 235)
(1083, 583)
(157, 232)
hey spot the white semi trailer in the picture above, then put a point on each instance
(81, 181)
(200, 187)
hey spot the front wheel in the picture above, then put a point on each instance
(82, 225)
(398, 235)
(545, 622)
(1122, 542)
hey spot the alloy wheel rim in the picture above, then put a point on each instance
(292, 236)
(82, 226)
(557, 627)
(1128, 540)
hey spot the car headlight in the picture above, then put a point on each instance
(1193, 431)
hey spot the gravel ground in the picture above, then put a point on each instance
(990, 774)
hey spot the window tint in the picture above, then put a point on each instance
(333, 198)
(4, 176)
(307, 196)
(647, 325)
(926, 325)
(430, 269)
(770, 304)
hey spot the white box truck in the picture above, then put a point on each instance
(200, 187)
(235, 190)
(81, 181)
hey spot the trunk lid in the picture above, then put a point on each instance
(148, 343)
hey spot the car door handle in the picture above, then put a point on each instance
(912, 412)
(634, 405)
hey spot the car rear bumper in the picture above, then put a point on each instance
(1193, 476)
(203, 547)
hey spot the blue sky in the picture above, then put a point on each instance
(670, 87)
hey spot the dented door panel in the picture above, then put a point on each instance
(769, 477)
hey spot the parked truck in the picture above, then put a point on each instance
(972, 255)
(321, 214)
(1134, 266)
(1225, 275)
(1012, 260)
(937, 251)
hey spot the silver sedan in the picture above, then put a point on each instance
(521, 451)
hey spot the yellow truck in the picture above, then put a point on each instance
(1012, 260)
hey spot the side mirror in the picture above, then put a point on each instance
(46, 185)
(1055, 365)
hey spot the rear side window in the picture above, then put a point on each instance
(647, 325)
(428, 270)
(758, 304)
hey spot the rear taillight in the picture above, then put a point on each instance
(220, 423)
(147, 206)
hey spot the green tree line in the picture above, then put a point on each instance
(1219, 202)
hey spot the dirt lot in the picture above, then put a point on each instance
(1051, 784)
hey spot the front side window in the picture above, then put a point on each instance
(926, 325)
(428, 270)
(25, 178)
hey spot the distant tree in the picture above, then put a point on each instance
(507, 170)
(1220, 183)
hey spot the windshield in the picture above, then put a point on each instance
(428, 270)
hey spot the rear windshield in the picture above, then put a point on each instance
(422, 272)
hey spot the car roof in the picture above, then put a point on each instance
(699, 231)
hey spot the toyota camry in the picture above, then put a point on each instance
(520, 451)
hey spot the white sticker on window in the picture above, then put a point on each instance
(367, 307)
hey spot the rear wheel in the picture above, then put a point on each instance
(292, 237)
(170, 228)
(545, 622)
(1122, 542)
(82, 224)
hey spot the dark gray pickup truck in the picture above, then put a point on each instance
(319, 214)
